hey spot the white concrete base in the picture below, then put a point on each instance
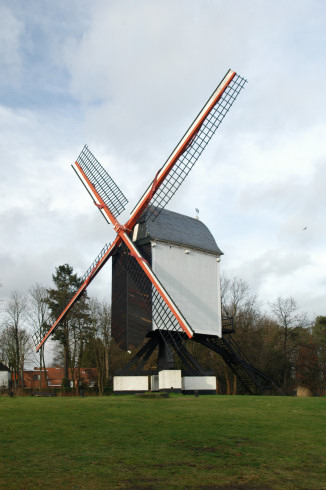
(129, 384)
(155, 383)
(169, 380)
(202, 384)
(166, 380)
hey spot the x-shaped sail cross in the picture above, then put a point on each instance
(111, 202)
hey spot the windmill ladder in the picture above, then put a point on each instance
(251, 378)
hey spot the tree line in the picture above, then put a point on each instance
(283, 343)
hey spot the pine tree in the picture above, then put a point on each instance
(74, 328)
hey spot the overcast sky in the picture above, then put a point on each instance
(127, 78)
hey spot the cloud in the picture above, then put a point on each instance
(127, 78)
(274, 263)
(11, 30)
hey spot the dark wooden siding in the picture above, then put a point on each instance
(131, 300)
(119, 303)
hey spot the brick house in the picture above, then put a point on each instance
(55, 375)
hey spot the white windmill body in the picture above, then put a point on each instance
(186, 260)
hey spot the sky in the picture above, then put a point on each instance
(127, 78)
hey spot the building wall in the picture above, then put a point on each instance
(131, 300)
(4, 379)
(55, 377)
(192, 278)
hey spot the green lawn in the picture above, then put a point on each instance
(178, 442)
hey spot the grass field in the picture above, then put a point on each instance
(227, 442)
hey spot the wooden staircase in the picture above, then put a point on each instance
(253, 380)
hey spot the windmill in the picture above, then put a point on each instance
(161, 318)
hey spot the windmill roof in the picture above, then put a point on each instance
(172, 227)
(3, 367)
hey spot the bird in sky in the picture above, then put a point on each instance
(305, 228)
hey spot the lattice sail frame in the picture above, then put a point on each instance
(107, 251)
(201, 137)
(102, 182)
(96, 261)
(111, 201)
(38, 335)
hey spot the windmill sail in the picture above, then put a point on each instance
(190, 147)
(123, 234)
(196, 146)
(92, 271)
(94, 265)
(102, 182)
(111, 201)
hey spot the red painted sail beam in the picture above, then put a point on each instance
(179, 150)
(123, 232)
(80, 291)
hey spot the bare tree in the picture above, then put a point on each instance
(238, 302)
(288, 319)
(8, 351)
(39, 315)
(7, 347)
(15, 340)
(101, 338)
